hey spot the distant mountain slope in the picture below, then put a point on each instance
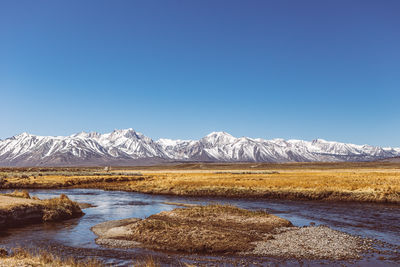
(127, 147)
(393, 160)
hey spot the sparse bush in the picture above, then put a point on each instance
(60, 208)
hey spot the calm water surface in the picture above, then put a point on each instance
(74, 238)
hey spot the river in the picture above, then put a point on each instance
(74, 237)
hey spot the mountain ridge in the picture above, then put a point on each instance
(128, 147)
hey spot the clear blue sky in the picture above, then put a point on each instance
(181, 69)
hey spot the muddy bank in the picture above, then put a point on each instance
(19, 209)
(217, 229)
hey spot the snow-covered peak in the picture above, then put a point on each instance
(278, 140)
(319, 140)
(127, 144)
(165, 142)
(219, 138)
(22, 135)
(120, 136)
(128, 133)
(86, 135)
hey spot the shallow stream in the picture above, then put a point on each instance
(74, 237)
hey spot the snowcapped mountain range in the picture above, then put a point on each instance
(128, 147)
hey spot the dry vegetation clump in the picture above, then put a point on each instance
(19, 209)
(148, 262)
(228, 216)
(202, 229)
(21, 257)
(21, 194)
(62, 208)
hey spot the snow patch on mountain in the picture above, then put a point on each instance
(126, 145)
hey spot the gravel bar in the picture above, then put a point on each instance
(311, 242)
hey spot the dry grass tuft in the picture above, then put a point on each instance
(148, 262)
(205, 229)
(16, 210)
(60, 208)
(22, 257)
(21, 194)
(44, 258)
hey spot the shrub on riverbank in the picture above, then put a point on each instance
(60, 208)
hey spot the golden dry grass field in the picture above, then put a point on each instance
(375, 182)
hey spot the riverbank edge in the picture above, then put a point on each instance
(232, 193)
(39, 211)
